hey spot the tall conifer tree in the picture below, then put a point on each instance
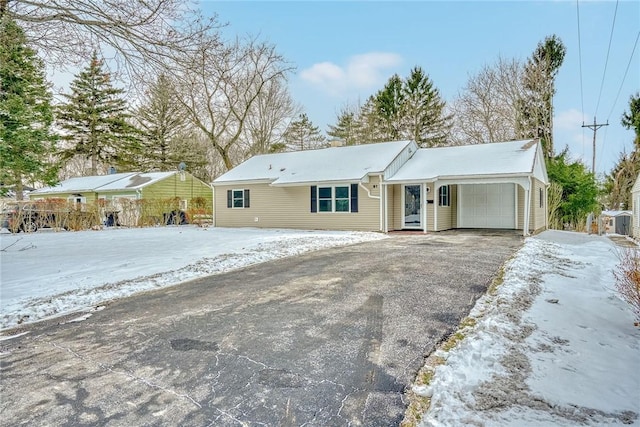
(163, 123)
(346, 128)
(535, 108)
(26, 138)
(96, 122)
(423, 116)
(302, 134)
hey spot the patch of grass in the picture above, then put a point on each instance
(426, 377)
(453, 341)
(468, 322)
(496, 282)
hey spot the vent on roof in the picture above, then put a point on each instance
(282, 169)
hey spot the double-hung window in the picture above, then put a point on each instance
(338, 198)
(238, 199)
(444, 196)
(342, 199)
(325, 199)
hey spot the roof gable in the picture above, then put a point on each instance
(337, 164)
(522, 157)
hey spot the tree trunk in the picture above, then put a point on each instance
(19, 186)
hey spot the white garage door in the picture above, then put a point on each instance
(486, 206)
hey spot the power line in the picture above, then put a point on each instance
(624, 77)
(607, 60)
(580, 60)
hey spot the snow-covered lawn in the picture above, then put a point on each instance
(554, 346)
(50, 273)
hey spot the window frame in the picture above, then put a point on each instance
(244, 198)
(333, 199)
(444, 196)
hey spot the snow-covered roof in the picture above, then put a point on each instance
(136, 181)
(112, 182)
(616, 213)
(337, 164)
(482, 160)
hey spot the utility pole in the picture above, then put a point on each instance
(595, 126)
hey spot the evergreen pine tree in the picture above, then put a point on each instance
(163, 123)
(423, 116)
(535, 108)
(388, 104)
(96, 123)
(346, 128)
(26, 139)
(303, 135)
(368, 124)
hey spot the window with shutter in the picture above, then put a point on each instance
(314, 199)
(339, 198)
(238, 199)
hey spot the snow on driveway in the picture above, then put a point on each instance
(555, 346)
(51, 273)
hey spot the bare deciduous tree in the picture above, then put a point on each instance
(274, 109)
(486, 109)
(138, 33)
(220, 86)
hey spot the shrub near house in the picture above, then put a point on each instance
(52, 213)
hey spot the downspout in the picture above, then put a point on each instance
(374, 197)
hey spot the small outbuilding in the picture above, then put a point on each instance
(616, 222)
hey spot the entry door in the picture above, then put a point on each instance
(412, 205)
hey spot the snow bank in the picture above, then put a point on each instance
(553, 346)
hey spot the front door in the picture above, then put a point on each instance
(412, 205)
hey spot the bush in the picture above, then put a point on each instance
(628, 280)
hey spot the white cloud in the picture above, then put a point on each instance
(568, 120)
(364, 71)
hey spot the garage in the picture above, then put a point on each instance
(487, 205)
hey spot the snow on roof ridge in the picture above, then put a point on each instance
(94, 182)
(347, 163)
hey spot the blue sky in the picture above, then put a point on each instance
(345, 51)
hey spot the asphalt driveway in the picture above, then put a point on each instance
(329, 338)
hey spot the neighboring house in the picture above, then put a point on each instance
(635, 206)
(616, 222)
(389, 186)
(117, 192)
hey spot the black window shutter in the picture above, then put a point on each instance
(246, 198)
(354, 197)
(314, 198)
(229, 199)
